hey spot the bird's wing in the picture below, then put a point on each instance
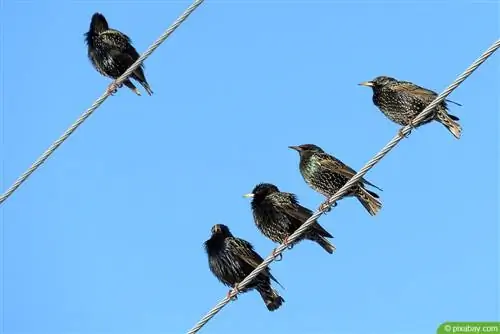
(122, 58)
(287, 204)
(126, 45)
(115, 39)
(114, 31)
(120, 47)
(132, 52)
(329, 162)
(427, 94)
(244, 251)
(408, 87)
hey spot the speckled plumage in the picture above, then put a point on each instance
(111, 53)
(232, 259)
(278, 214)
(402, 101)
(327, 174)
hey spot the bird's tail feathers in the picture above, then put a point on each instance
(320, 230)
(276, 281)
(138, 75)
(449, 121)
(326, 245)
(374, 194)
(272, 299)
(147, 88)
(369, 200)
(371, 185)
(455, 103)
(130, 85)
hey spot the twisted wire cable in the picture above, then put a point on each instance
(387, 148)
(99, 101)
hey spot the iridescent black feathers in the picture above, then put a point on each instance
(402, 101)
(232, 259)
(327, 174)
(278, 214)
(111, 53)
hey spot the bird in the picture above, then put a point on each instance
(327, 174)
(278, 214)
(402, 101)
(111, 53)
(231, 259)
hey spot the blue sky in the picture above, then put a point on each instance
(107, 236)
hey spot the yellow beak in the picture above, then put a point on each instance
(366, 83)
(248, 195)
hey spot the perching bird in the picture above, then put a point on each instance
(232, 259)
(402, 101)
(278, 214)
(326, 174)
(111, 52)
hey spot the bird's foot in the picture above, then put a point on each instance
(277, 257)
(235, 297)
(327, 207)
(113, 88)
(400, 132)
(288, 246)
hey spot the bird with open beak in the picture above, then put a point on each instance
(278, 214)
(326, 174)
(402, 101)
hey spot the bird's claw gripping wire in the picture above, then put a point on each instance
(327, 207)
(288, 246)
(373, 161)
(113, 88)
(277, 257)
(235, 297)
(400, 132)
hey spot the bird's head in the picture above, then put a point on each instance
(220, 230)
(307, 148)
(98, 23)
(261, 191)
(378, 82)
(216, 241)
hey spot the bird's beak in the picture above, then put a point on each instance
(296, 148)
(366, 83)
(216, 229)
(248, 195)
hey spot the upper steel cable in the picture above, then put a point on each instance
(405, 130)
(99, 101)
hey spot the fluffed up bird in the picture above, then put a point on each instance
(278, 214)
(327, 174)
(232, 259)
(111, 53)
(402, 101)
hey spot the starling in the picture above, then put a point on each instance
(326, 174)
(232, 259)
(278, 214)
(402, 101)
(111, 52)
